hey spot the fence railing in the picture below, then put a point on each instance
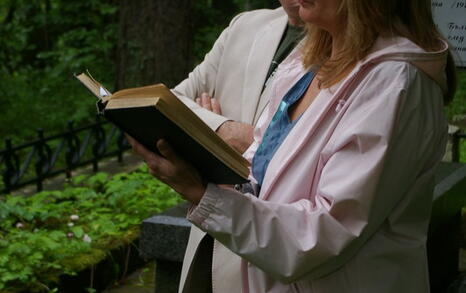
(45, 157)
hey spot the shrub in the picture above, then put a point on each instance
(62, 232)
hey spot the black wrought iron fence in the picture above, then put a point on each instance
(45, 157)
(33, 162)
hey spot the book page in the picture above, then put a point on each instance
(95, 87)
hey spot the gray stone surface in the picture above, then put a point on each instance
(165, 236)
(458, 286)
(443, 243)
(448, 176)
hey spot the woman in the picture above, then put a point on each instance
(344, 162)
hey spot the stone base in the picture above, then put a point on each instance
(167, 276)
(462, 260)
(164, 238)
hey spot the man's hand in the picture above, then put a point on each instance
(172, 170)
(209, 103)
(238, 135)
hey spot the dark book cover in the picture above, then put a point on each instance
(147, 125)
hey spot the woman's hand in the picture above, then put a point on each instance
(172, 170)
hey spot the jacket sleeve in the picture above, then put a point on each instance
(368, 169)
(203, 78)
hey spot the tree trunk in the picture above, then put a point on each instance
(155, 42)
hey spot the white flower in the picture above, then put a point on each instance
(74, 217)
(70, 235)
(87, 238)
(70, 224)
(19, 225)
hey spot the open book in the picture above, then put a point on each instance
(153, 112)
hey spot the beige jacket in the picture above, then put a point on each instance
(233, 72)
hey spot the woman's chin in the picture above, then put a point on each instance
(306, 15)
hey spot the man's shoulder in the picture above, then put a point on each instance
(259, 16)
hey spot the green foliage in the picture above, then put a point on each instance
(43, 44)
(457, 108)
(212, 16)
(458, 105)
(56, 232)
(463, 151)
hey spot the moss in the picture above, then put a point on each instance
(96, 255)
(86, 260)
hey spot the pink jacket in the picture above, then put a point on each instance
(345, 202)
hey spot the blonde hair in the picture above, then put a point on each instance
(364, 21)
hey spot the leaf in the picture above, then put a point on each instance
(77, 231)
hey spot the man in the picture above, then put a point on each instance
(235, 71)
(234, 76)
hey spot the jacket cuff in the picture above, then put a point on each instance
(198, 214)
(210, 118)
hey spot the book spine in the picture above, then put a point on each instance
(100, 107)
